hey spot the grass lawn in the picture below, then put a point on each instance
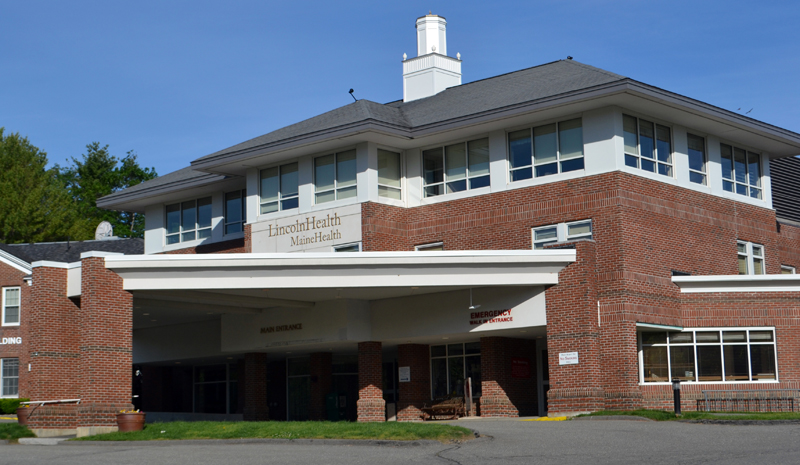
(289, 430)
(13, 431)
(660, 415)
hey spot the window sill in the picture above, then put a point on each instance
(333, 204)
(716, 383)
(277, 215)
(546, 179)
(455, 196)
(187, 244)
(10, 325)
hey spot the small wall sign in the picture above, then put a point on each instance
(568, 358)
(404, 374)
(520, 368)
(10, 340)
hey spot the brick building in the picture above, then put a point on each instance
(562, 239)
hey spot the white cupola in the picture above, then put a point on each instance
(432, 71)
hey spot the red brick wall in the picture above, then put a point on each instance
(789, 245)
(502, 394)
(414, 394)
(371, 406)
(256, 407)
(321, 366)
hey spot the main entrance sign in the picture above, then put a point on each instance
(317, 231)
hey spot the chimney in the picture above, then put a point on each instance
(432, 71)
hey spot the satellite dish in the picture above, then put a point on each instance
(103, 231)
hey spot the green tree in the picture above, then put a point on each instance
(98, 174)
(34, 203)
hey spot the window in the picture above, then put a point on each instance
(697, 159)
(456, 168)
(751, 258)
(432, 247)
(335, 176)
(216, 389)
(545, 150)
(235, 209)
(451, 365)
(389, 174)
(786, 269)
(279, 188)
(187, 221)
(9, 369)
(741, 171)
(648, 146)
(348, 248)
(709, 355)
(11, 300)
(561, 232)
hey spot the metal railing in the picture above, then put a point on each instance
(756, 400)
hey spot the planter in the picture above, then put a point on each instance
(22, 415)
(130, 421)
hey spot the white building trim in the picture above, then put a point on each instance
(738, 283)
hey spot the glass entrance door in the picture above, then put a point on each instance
(298, 386)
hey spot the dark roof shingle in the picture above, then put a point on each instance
(68, 252)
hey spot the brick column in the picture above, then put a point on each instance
(495, 376)
(256, 407)
(321, 381)
(371, 406)
(572, 326)
(51, 345)
(106, 341)
(418, 391)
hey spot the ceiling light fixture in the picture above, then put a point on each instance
(471, 306)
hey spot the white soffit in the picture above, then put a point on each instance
(341, 270)
(738, 283)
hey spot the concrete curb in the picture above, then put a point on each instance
(321, 442)
(612, 417)
(742, 422)
(41, 441)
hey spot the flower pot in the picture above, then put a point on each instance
(22, 415)
(130, 421)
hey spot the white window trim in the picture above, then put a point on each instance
(225, 223)
(2, 378)
(281, 197)
(336, 248)
(467, 177)
(655, 160)
(774, 343)
(533, 164)
(703, 173)
(430, 245)
(734, 182)
(5, 290)
(562, 233)
(751, 257)
(181, 231)
(791, 269)
(336, 188)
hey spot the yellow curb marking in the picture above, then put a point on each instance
(547, 419)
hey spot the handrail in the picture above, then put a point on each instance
(42, 402)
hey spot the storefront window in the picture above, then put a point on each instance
(452, 365)
(212, 391)
(709, 355)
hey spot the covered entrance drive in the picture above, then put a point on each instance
(324, 336)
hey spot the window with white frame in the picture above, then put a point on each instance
(456, 168)
(741, 171)
(9, 372)
(432, 247)
(11, 305)
(703, 355)
(235, 208)
(190, 220)
(545, 150)
(348, 247)
(451, 365)
(335, 176)
(389, 175)
(648, 146)
(786, 269)
(279, 188)
(751, 258)
(561, 232)
(697, 159)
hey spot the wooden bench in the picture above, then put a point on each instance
(451, 408)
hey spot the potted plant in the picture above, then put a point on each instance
(130, 420)
(23, 412)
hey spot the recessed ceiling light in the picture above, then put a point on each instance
(445, 338)
(209, 313)
(145, 314)
(288, 352)
(414, 288)
(523, 331)
(230, 358)
(153, 320)
(177, 363)
(539, 337)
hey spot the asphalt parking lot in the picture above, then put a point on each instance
(503, 441)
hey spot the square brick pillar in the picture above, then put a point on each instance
(572, 326)
(106, 346)
(418, 391)
(321, 371)
(371, 406)
(256, 407)
(495, 378)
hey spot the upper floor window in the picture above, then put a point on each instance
(648, 146)
(235, 215)
(9, 377)
(279, 188)
(561, 232)
(456, 168)
(786, 269)
(751, 258)
(348, 247)
(697, 159)
(432, 247)
(335, 176)
(545, 150)
(741, 171)
(187, 221)
(389, 174)
(11, 304)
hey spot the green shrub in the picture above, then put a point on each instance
(13, 431)
(10, 405)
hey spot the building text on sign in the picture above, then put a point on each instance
(11, 340)
(491, 316)
(568, 358)
(520, 368)
(277, 329)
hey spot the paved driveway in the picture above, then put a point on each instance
(506, 441)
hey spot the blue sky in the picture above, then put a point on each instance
(176, 80)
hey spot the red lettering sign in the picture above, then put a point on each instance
(520, 368)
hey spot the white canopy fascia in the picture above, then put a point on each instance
(341, 270)
(738, 283)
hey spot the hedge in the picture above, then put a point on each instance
(10, 405)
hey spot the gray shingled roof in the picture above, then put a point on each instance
(68, 252)
(494, 93)
(182, 176)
